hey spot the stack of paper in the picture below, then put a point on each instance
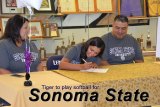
(98, 70)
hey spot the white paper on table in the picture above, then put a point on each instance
(98, 70)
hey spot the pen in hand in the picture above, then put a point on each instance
(84, 60)
(86, 65)
(91, 65)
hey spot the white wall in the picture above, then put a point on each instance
(80, 34)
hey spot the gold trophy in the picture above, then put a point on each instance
(73, 42)
(69, 45)
(63, 48)
(148, 41)
(42, 52)
(58, 50)
(47, 29)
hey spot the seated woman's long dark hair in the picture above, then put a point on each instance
(13, 27)
(95, 41)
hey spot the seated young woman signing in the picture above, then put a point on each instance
(84, 55)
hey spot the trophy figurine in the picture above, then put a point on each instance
(42, 51)
(63, 49)
(27, 82)
(148, 42)
(73, 42)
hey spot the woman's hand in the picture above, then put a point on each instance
(94, 65)
(89, 65)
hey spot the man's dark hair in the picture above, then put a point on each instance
(121, 18)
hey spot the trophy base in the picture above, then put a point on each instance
(27, 83)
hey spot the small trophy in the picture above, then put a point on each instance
(83, 40)
(141, 42)
(47, 29)
(63, 48)
(59, 9)
(69, 45)
(148, 42)
(58, 51)
(73, 42)
(42, 52)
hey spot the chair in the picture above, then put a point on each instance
(53, 62)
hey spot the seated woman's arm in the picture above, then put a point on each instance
(4, 71)
(139, 61)
(104, 63)
(40, 67)
(66, 65)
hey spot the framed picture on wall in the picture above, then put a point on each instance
(46, 7)
(67, 6)
(105, 6)
(9, 7)
(54, 30)
(138, 10)
(11, 3)
(3, 21)
(85, 6)
(36, 29)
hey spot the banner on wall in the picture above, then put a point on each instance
(153, 6)
(128, 9)
(158, 39)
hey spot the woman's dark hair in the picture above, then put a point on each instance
(13, 26)
(95, 41)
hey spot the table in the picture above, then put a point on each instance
(144, 77)
(13, 90)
